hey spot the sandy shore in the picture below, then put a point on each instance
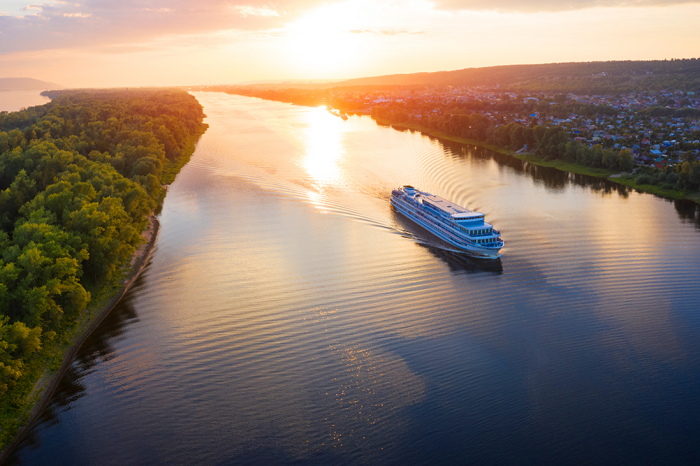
(49, 384)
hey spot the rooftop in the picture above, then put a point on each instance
(447, 206)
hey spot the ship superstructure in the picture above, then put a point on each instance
(456, 225)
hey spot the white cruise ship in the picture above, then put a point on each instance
(456, 225)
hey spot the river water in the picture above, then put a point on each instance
(288, 315)
(12, 101)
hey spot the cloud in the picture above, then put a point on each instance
(252, 11)
(95, 23)
(384, 32)
(532, 6)
(121, 49)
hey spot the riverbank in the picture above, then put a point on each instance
(87, 264)
(625, 180)
(50, 377)
(47, 367)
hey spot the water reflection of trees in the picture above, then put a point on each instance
(688, 211)
(97, 348)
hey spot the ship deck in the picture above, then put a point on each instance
(443, 204)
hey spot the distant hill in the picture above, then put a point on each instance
(616, 76)
(26, 84)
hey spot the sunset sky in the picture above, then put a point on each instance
(180, 42)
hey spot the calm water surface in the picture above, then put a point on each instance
(289, 316)
(12, 101)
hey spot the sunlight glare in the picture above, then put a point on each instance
(323, 147)
(322, 45)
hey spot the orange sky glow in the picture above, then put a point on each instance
(178, 42)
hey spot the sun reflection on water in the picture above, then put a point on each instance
(323, 148)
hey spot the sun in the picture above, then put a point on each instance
(322, 44)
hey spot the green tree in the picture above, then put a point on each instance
(626, 160)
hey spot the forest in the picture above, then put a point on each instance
(603, 77)
(79, 178)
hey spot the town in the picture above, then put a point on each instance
(657, 127)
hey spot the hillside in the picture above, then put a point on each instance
(587, 77)
(26, 84)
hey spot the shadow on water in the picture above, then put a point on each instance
(97, 348)
(457, 262)
(461, 263)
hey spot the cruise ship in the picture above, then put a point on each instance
(460, 227)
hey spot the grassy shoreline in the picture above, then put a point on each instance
(25, 402)
(625, 180)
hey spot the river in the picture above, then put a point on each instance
(12, 101)
(288, 315)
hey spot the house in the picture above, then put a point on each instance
(660, 162)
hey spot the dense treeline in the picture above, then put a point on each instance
(557, 108)
(311, 98)
(581, 78)
(308, 97)
(603, 77)
(684, 177)
(78, 179)
(611, 84)
(671, 112)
